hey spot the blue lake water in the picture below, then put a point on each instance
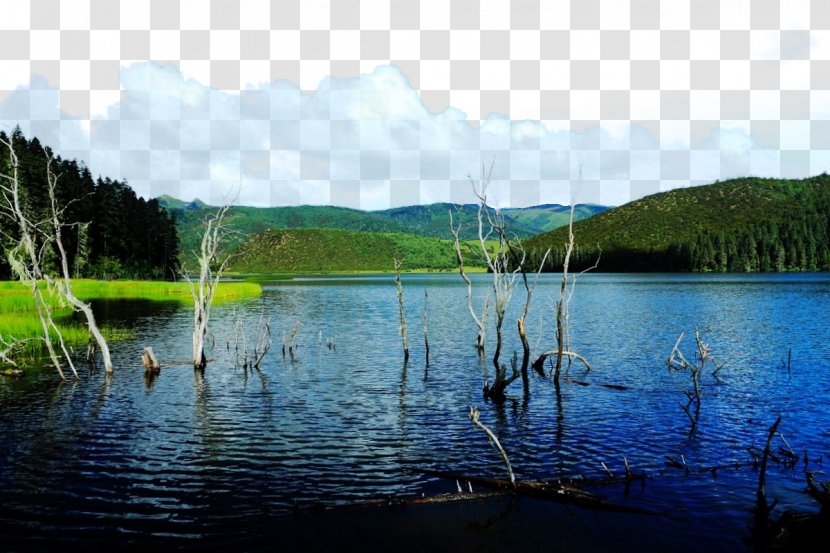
(247, 458)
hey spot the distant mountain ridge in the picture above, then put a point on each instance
(420, 220)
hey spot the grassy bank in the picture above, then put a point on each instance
(18, 317)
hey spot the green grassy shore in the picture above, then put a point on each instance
(18, 317)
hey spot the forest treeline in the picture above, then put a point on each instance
(746, 225)
(112, 234)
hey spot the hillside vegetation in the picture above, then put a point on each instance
(747, 224)
(548, 217)
(331, 250)
(427, 220)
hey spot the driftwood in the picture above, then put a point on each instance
(150, 361)
(558, 492)
(539, 364)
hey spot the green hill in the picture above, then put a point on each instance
(331, 250)
(251, 221)
(742, 224)
(428, 220)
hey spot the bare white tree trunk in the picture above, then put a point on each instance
(204, 289)
(520, 323)
(479, 321)
(566, 291)
(504, 278)
(25, 258)
(399, 286)
(64, 282)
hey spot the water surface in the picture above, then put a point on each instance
(240, 457)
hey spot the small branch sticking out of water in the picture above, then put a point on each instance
(399, 285)
(474, 417)
(293, 335)
(426, 328)
(763, 509)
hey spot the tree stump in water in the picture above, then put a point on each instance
(151, 364)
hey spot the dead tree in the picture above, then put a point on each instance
(678, 362)
(500, 265)
(63, 282)
(214, 235)
(26, 258)
(529, 287)
(481, 322)
(399, 286)
(426, 328)
(566, 290)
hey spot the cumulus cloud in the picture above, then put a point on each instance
(366, 142)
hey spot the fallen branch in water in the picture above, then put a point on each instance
(474, 417)
(556, 491)
(761, 529)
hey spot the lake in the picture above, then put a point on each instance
(282, 457)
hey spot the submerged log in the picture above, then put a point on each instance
(151, 363)
(558, 492)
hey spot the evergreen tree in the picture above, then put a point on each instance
(112, 233)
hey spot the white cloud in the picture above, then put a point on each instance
(277, 145)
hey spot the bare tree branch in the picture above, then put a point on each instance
(25, 259)
(214, 235)
(63, 283)
(480, 322)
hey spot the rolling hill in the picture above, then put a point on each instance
(730, 225)
(427, 220)
(333, 250)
